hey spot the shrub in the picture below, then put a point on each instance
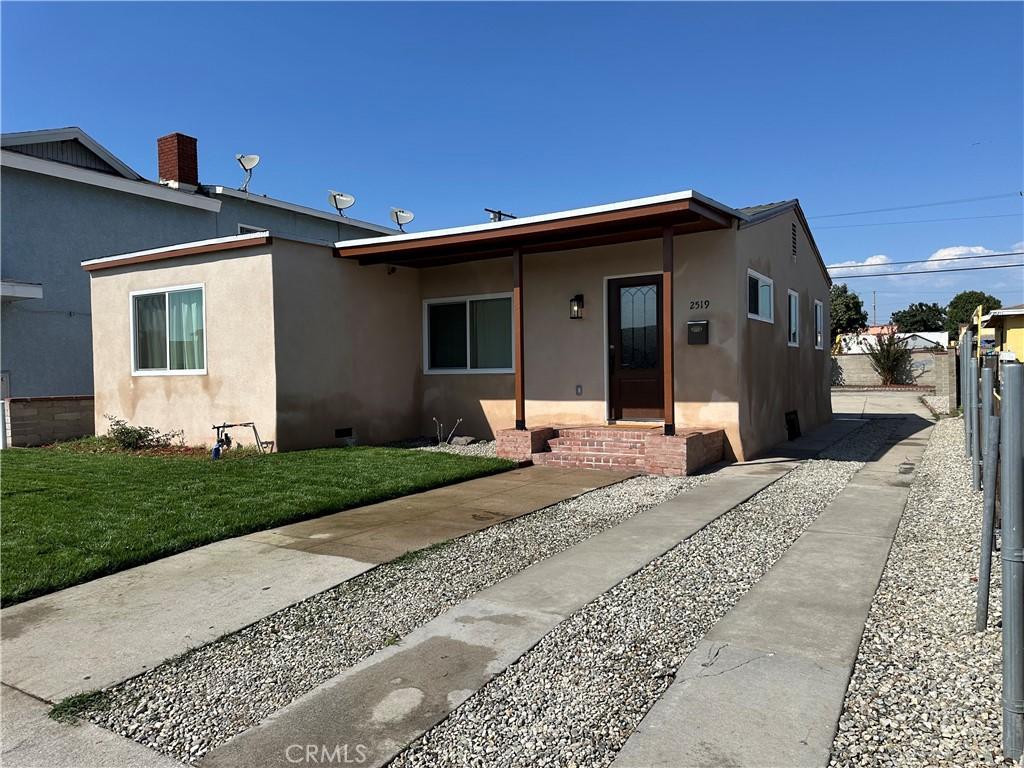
(891, 359)
(132, 438)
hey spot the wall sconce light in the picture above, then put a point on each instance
(576, 307)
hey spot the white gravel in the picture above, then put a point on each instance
(926, 688)
(487, 448)
(191, 704)
(937, 404)
(577, 696)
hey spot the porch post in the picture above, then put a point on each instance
(667, 335)
(517, 336)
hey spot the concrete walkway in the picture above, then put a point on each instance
(380, 705)
(104, 631)
(765, 687)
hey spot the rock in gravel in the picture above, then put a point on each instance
(578, 695)
(926, 688)
(197, 701)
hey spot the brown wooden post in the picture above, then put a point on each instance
(667, 335)
(517, 336)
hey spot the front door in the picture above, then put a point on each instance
(636, 383)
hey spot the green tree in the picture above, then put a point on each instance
(961, 308)
(920, 317)
(847, 310)
(891, 359)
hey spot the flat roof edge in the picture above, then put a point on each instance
(181, 249)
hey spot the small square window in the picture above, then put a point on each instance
(472, 334)
(169, 331)
(760, 297)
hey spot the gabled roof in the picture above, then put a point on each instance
(767, 210)
(23, 140)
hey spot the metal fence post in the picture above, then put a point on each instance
(1012, 500)
(965, 389)
(975, 430)
(990, 463)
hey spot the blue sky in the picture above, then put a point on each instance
(447, 108)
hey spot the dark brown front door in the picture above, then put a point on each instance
(634, 348)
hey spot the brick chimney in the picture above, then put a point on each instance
(178, 160)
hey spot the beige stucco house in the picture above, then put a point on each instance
(671, 319)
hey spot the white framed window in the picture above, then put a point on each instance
(819, 325)
(760, 297)
(248, 229)
(168, 331)
(793, 300)
(468, 334)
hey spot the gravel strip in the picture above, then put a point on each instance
(575, 698)
(487, 448)
(926, 688)
(193, 703)
(936, 404)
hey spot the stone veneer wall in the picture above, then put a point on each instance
(33, 421)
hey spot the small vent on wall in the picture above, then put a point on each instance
(792, 425)
(342, 432)
(793, 231)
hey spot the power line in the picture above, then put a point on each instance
(918, 205)
(929, 261)
(929, 271)
(920, 221)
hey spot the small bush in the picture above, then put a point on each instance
(132, 438)
(891, 359)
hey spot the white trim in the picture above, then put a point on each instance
(13, 290)
(427, 370)
(167, 317)
(790, 324)
(746, 297)
(819, 324)
(294, 208)
(604, 349)
(73, 133)
(688, 194)
(22, 162)
(250, 229)
(178, 247)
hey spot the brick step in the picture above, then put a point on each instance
(588, 460)
(624, 446)
(605, 434)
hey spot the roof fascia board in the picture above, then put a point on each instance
(544, 217)
(181, 249)
(66, 134)
(32, 164)
(12, 289)
(294, 208)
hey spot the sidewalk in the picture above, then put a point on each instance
(766, 685)
(104, 631)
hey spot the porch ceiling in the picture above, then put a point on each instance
(643, 222)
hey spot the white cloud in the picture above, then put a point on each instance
(843, 268)
(941, 258)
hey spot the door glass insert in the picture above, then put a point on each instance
(638, 320)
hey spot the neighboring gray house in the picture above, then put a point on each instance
(66, 199)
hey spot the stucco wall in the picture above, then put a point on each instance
(776, 378)
(48, 226)
(561, 354)
(240, 382)
(347, 348)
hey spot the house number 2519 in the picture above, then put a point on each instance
(700, 304)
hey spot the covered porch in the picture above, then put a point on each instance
(637, 249)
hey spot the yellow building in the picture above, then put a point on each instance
(1008, 326)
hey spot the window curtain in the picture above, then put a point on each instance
(186, 330)
(150, 332)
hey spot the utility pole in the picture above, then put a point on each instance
(874, 309)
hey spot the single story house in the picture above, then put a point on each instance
(861, 343)
(1008, 325)
(656, 327)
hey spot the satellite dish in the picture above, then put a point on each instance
(340, 200)
(401, 217)
(248, 162)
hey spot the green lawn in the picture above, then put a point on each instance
(69, 517)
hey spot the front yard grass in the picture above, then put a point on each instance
(68, 517)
